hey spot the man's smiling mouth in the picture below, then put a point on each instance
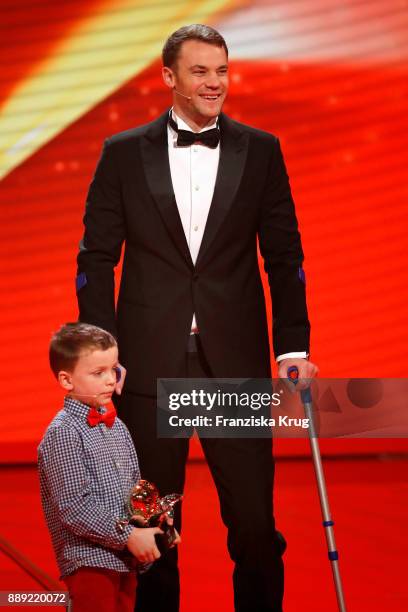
(210, 96)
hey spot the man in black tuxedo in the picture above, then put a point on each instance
(190, 194)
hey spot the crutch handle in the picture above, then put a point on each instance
(293, 376)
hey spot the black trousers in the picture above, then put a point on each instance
(243, 472)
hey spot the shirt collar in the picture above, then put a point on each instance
(77, 408)
(182, 125)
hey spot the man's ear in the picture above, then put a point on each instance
(65, 380)
(168, 77)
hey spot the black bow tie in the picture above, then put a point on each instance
(185, 138)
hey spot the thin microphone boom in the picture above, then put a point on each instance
(180, 94)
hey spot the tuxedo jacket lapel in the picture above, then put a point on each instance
(155, 155)
(233, 154)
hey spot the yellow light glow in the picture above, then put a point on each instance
(102, 53)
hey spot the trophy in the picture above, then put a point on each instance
(147, 509)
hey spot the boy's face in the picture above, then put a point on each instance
(93, 379)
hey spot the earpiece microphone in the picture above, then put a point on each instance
(180, 94)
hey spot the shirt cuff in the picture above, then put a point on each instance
(295, 355)
(123, 533)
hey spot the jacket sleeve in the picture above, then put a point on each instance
(281, 249)
(100, 248)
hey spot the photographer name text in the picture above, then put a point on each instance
(251, 421)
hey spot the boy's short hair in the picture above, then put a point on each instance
(72, 339)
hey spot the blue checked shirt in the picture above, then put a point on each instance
(86, 474)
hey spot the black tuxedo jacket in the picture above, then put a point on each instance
(131, 200)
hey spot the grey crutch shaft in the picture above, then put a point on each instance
(328, 523)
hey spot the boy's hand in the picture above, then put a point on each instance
(170, 521)
(177, 540)
(142, 544)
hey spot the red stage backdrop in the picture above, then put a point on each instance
(329, 78)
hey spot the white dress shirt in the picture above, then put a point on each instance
(193, 173)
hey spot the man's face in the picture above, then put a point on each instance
(201, 73)
(93, 379)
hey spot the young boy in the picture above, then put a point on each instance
(88, 465)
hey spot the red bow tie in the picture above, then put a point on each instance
(95, 417)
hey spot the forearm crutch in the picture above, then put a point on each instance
(306, 396)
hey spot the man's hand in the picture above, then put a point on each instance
(119, 385)
(306, 370)
(142, 544)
